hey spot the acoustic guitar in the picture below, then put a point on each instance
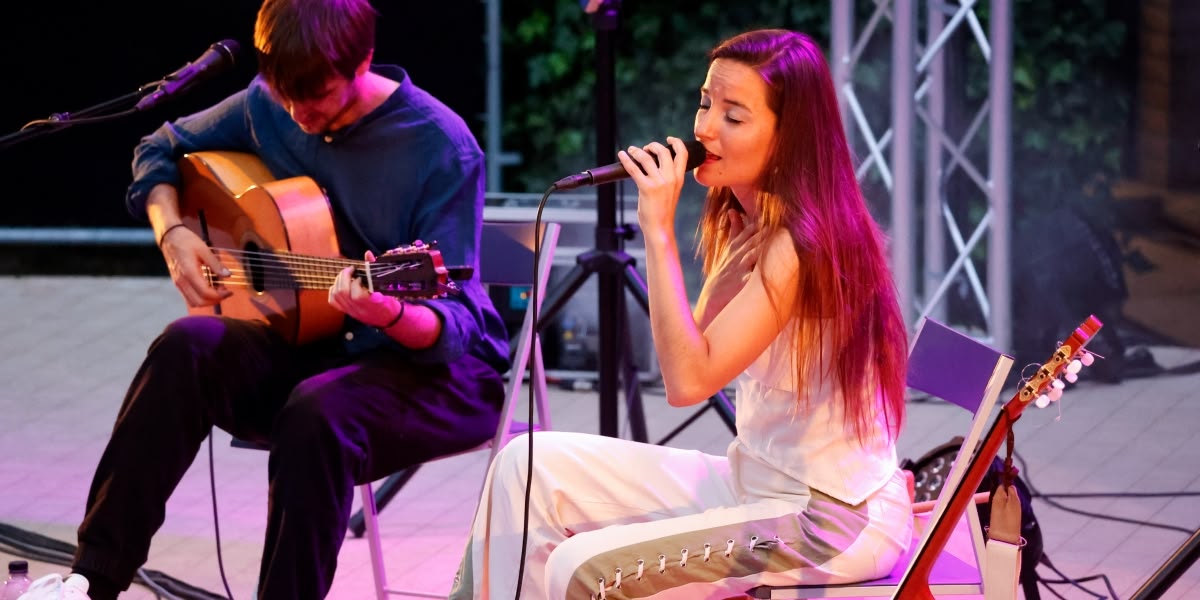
(277, 239)
(915, 584)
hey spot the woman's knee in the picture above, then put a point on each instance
(511, 467)
(512, 462)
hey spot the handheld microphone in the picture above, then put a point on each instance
(616, 171)
(219, 58)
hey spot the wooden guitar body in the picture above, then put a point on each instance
(233, 202)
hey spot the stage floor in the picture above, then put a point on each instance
(71, 345)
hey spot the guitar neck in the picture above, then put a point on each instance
(266, 269)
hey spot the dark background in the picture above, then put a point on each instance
(68, 56)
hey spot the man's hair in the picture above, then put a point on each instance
(302, 44)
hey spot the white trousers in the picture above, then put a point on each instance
(611, 518)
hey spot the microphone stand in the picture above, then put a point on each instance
(615, 269)
(61, 121)
(608, 259)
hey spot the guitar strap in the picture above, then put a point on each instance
(1002, 560)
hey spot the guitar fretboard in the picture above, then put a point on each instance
(263, 270)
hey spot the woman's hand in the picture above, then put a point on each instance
(732, 270)
(348, 295)
(658, 184)
(193, 267)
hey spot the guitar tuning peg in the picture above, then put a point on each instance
(1087, 358)
(1071, 377)
(1055, 394)
(1058, 385)
(1042, 401)
(1074, 366)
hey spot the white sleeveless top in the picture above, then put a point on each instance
(780, 442)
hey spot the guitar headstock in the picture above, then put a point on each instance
(411, 271)
(1070, 357)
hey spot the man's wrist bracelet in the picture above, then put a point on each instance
(163, 237)
(396, 319)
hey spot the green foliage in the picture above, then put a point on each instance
(1072, 102)
(1071, 93)
(550, 65)
(661, 47)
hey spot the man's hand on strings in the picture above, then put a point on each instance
(348, 295)
(194, 268)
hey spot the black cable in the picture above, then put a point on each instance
(533, 353)
(1053, 591)
(1077, 582)
(35, 546)
(64, 120)
(159, 591)
(1033, 491)
(212, 482)
(38, 547)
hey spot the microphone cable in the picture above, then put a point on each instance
(534, 293)
(212, 483)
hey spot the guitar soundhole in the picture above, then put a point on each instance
(256, 277)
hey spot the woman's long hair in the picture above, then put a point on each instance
(846, 297)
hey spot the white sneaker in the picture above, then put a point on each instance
(54, 587)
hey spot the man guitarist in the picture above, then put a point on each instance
(401, 382)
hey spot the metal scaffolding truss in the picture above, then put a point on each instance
(918, 86)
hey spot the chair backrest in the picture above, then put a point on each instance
(966, 373)
(507, 258)
(506, 251)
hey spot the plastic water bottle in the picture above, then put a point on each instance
(18, 580)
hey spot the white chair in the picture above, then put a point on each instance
(506, 259)
(966, 373)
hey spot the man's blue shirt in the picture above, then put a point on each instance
(408, 170)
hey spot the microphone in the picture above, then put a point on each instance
(219, 58)
(616, 171)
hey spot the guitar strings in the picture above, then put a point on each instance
(286, 270)
(265, 269)
(284, 260)
(288, 256)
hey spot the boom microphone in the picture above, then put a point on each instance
(616, 171)
(217, 59)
